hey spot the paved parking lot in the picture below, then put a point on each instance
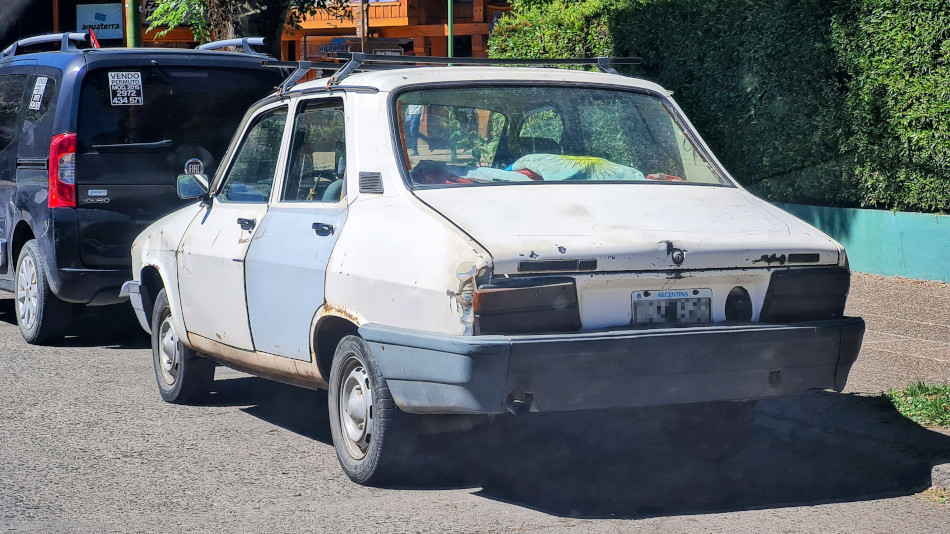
(86, 444)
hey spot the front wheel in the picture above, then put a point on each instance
(41, 315)
(183, 376)
(369, 432)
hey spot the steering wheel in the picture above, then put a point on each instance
(321, 181)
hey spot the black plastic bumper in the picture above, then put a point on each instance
(430, 373)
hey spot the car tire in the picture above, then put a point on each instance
(371, 436)
(41, 315)
(183, 376)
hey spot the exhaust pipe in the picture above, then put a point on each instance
(519, 402)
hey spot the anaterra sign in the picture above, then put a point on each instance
(104, 19)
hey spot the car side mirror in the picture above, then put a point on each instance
(192, 185)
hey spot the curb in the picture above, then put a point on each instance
(940, 476)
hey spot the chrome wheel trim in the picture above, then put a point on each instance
(355, 408)
(27, 292)
(169, 352)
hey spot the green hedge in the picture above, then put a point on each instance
(835, 102)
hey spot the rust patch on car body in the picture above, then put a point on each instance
(341, 311)
(289, 371)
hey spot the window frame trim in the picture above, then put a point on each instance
(237, 143)
(299, 103)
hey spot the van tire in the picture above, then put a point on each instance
(183, 376)
(41, 315)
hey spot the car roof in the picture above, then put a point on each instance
(392, 79)
(62, 59)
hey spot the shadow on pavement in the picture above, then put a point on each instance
(821, 447)
(113, 327)
(299, 410)
(817, 448)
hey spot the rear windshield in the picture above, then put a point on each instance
(164, 108)
(533, 135)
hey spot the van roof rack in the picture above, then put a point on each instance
(363, 62)
(68, 41)
(244, 42)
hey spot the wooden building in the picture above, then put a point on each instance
(418, 27)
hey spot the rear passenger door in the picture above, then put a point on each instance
(13, 85)
(286, 264)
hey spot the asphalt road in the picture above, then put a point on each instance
(86, 444)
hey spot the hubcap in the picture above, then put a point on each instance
(169, 352)
(27, 292)
(356, 408)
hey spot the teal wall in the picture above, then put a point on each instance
(915, 245)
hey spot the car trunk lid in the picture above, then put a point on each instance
(628, 227)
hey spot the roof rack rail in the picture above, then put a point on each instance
(245, 42)
(68, 41)
(362, 62)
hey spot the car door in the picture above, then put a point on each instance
(13, 85)
(211, 256)
(286, 264)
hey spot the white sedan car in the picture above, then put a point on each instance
(476, 240)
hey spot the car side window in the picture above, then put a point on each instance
(11, 100)
(317, 159)
(251, 175)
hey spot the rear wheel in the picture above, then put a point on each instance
(41, 315)
(183, 376)
(370, 434)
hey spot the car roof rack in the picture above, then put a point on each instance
(68, 41)
(244, 42)
(357, 61)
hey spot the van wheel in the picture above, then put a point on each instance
(183, 376)
(41, 315)
(370, 434)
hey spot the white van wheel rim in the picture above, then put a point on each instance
(27, 293)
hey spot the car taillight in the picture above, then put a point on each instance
(522, 306)
(796, 295)
(62, 171)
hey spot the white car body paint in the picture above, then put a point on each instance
(404, 259)
(211, 264)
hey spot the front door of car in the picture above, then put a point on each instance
(212, 252)
(286, 265)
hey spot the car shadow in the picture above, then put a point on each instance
(302, 411)
(818, 448)
(812, 449)
(112, 327)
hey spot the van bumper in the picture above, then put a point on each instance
(432, 373)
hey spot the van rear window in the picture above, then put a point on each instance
(166, 107)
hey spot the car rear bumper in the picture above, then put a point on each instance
(92, 287)
(430, 373)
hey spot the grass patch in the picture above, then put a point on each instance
(927, 404)
(938, 495)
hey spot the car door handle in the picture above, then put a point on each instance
(247, 224)
(323, 229)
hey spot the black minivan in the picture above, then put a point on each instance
(91, 143)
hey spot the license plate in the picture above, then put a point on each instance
(665, 306)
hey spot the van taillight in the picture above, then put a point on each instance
(62, 171)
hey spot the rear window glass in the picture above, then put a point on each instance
(136, 105)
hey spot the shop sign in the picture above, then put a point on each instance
(104, 19)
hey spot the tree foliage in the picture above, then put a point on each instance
(226, 19)
(840, 102)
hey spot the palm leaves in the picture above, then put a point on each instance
(596, 168)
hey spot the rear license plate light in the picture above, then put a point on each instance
(677, 306)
